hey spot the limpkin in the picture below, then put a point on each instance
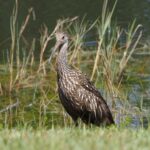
(78, 95)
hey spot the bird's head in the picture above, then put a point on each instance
(61, 39)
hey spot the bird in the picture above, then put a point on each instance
(78, 95)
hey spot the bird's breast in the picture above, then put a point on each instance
(68, 82)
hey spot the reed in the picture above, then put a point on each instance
(16, 53)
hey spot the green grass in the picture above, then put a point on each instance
(75, 139)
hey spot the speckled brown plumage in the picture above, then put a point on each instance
(77, 94)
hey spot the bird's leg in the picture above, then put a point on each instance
(75, 121)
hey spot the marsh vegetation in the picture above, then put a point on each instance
(115, 59)
(28, 90)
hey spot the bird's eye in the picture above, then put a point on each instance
(63, 37)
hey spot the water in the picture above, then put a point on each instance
(48, 12)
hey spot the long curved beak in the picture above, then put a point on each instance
(53, 51)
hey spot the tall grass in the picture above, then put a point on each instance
(30, 92)
(15, 54)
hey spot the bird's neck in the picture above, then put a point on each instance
(62, 64)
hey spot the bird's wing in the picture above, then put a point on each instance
(88, 85)
(95, 102)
